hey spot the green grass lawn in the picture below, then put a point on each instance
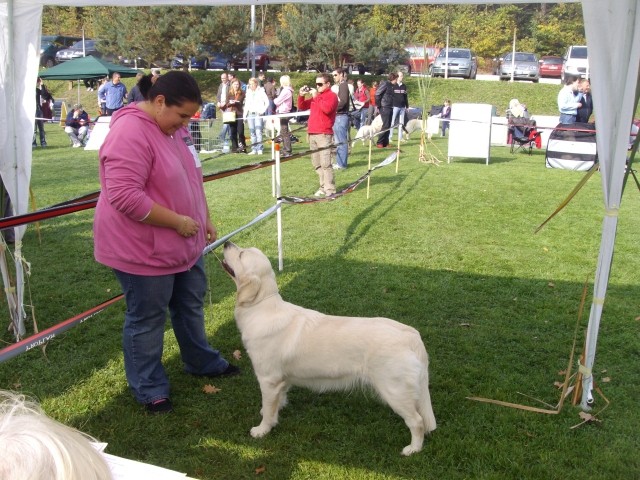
(448, 249)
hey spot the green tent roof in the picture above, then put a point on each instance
(85, 67)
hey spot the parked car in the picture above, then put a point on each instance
(576, 62)
(392, 60)
(421, 57)
(52, 44)
(525, 66)
(243, 60)
(76, 51)
(65, 40)
(462, 63)
(133, 62)
(551, 66)
(48, 52)
(205, 59)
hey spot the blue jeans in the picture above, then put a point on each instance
(148, 299)
(255, 127)
(567, 118)
(397, 118)
(341, 135)
(224, 132)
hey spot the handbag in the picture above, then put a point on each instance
(228, 117)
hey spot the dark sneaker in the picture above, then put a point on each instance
(159, 407)
(230, 371)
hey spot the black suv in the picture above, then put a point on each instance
(51, 44)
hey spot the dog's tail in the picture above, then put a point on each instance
(424, 401)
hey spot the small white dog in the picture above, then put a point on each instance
(291, 345)
(271, 126)
(413, 125)
(368, 132)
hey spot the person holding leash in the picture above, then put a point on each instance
(151, 226)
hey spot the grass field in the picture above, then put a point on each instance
(448, 249)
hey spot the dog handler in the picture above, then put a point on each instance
(323, 104)
(151, 226)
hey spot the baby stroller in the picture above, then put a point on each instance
(523, 134)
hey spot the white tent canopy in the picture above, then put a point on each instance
(615, 73)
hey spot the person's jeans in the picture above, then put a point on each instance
(363, 116)
(397, 117)
(445, 126)
(341, 136)
(567, 118)
(255, 127)
(148, 298)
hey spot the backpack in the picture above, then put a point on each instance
(208, 112)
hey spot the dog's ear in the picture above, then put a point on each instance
(248, 289)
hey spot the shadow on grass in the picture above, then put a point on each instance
(484, 335)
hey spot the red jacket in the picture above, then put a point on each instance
(323, 111)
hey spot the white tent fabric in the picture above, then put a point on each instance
(613, 38)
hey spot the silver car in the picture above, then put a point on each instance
(462, 63)
(77, 51)
(525, 67)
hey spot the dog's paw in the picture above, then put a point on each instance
(409, 449)
(259, 431)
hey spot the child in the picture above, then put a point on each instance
(446, 113)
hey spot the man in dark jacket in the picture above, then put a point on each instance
(76, 125)
(400, 105)
(384, 101)
(585, 111)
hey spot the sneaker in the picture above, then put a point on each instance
(77, 145)
(319, 193)
(252, 152)
(230, 371)
(159, 407)
(44, 144)
(338, 167)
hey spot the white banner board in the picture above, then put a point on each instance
(470, 131)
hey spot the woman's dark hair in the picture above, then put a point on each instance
(176, 87)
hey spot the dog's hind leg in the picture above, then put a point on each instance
(274, 397)
(402, 397)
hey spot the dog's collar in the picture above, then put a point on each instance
(265, 298)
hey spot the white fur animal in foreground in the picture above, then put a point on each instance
(294, 346)
(413, 125)
(368, 132)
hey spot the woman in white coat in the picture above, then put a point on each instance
(256, 103)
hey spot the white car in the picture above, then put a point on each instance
(576, 62)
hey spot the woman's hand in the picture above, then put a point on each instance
(187, 227)
(212, 232)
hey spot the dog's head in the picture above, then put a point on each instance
(252, 273)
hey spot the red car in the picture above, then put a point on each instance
(551, 66)
(243, 60)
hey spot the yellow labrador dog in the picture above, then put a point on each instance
(290, 345)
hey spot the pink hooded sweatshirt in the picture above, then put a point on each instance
(140, 165)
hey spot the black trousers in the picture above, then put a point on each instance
(386, 113)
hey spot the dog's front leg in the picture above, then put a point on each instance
(272, 392)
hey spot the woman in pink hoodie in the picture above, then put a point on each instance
(151, 226)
